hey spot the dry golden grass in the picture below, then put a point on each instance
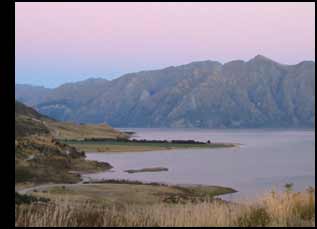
(68, 130)
(110, 194)
(278, 209)
(120, 194)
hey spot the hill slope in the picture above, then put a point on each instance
(28, 122)
(256, 93)
(40, 157)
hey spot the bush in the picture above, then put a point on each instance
(26, 199)
(22, 174)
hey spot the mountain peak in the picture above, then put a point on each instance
(261, 58)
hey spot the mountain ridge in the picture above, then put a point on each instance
(258, 56)
(243, 94)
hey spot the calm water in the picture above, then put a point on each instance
(267, 159)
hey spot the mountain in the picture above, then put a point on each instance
(30, 95)
(238, 94)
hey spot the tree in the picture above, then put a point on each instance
(289, 187)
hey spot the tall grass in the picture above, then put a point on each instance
(274, 209)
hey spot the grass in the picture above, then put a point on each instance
(121, 146)
(121, 192)
(41, 159)
(25, 126)
(281, 209)
(68, 130)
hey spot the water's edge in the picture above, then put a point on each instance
(267, 160)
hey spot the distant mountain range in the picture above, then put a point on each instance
(238, 94)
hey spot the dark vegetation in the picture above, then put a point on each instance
(136, 141)
(154, 169)
(123, 181)
(28, 199)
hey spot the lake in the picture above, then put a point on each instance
(266, 160)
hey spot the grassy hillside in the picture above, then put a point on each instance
(28, 122)
(68, 130)
(40, 157)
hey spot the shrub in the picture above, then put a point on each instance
(26, 199)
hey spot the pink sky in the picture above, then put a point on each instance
(62, 42)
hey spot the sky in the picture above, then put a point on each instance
(63, 42)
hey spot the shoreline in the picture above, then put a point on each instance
(126, 146)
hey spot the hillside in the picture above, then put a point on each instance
(237, 94)
(28, 121)
(41, 158)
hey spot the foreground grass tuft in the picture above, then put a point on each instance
(280, 209)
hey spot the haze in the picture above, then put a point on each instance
(65, 42)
